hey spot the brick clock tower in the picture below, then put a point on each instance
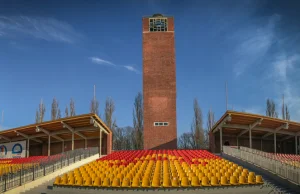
(159, 83)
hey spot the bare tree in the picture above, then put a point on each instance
(54, 109)
(37, 117)
(197, 126)
(284, 110)
(271, 109)
(42, 111)
(138, 121)
(210, 124)
(287, 114)
(186, 141)
(94, 106)
(66, 112)
(108, 113)
(58, 114)
(72, 108)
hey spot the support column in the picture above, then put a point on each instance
(27, 154)
(221, 141)
(275, 143)
(237, 141)
(63, 146)
(100, 143)
(261, 145)
(250, 138)
(72, 140)
(296, 145)
(49, 145)
(85, 143)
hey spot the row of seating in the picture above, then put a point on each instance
(290, 159)
(154, 168)
(12, 165)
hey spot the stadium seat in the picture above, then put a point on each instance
(159, 168)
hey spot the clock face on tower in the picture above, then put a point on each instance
(158, 24)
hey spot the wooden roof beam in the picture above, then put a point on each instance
(28, 137)
(73, 130)
(251, 126)
(245, 127)
(226, 119)
(38, 129)
(6, 138)
(284, 126)
(96, 124)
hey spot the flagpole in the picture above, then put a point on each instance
(226, 95)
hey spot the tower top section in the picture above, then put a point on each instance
(158, 23)
(157, 15)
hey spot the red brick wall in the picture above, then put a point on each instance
(159, 87)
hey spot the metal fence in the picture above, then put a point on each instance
(52, 164)
(286, 171)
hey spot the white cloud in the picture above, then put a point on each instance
(97, 60)
(254, 43)
(282, 76)
(100, 61)
(130, 68)
(48, 29)
(283, 64)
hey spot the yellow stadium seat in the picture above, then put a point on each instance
(136, 182)
(224, 181)
(214, 181)
(242, 180)
(166, 182)
(251, 179)
(233, 180)
(97, 182)
(205, 181)
(57, 181)
(245, 171)
(195, 181)
(185, 182)
(258, 179)
(126, 182)
(71, 181)
(79, 181)
(106, 182)
(175, 182)
(88, 181)
(145, 182)
(116, 182)
(63, 181)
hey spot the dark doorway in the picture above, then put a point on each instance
(226, 143)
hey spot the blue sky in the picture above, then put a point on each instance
(62, 48)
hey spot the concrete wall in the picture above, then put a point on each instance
(159, 87)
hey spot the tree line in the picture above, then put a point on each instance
(124, 138)
(131, 137)
(198, 136)
(272, 112)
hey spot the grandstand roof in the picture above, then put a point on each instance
(239, 123)
(85, 126)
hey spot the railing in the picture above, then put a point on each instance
(286, 171)
(23, 176)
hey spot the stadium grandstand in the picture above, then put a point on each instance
(255, 131)
(54, 137)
